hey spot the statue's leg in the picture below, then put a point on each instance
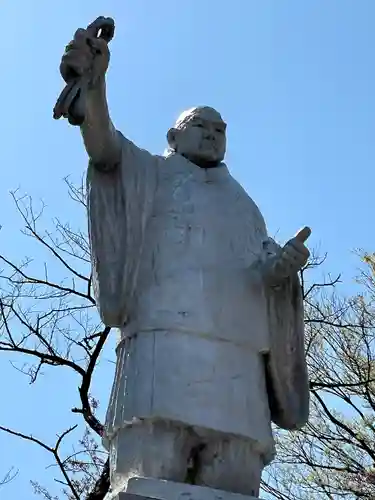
(231, 465)
(149, 449)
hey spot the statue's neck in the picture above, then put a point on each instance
(202, 163)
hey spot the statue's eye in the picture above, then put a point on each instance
(199, 125)
(220, 130)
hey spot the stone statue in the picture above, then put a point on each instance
(209, 307)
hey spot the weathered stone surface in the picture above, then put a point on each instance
(131, 496)
(197, 349)
(209, 307)
(141, 488)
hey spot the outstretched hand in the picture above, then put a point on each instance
(295, 254)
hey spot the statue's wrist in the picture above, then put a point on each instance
(276, 270)
(97, 84)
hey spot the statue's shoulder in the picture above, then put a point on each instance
(242, 192)
(250, 207)
(130, 148)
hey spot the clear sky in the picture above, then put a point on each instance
(293, 79)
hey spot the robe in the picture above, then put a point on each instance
(177, 257)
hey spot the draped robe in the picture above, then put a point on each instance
(177, 258)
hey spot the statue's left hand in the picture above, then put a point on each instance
(295, 254)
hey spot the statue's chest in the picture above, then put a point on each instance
(204, 217)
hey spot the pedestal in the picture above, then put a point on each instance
(145, 489)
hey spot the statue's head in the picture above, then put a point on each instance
(199, 135)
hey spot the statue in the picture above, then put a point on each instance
(209, 307)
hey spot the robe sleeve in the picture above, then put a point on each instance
(119, 202)
(286, 368)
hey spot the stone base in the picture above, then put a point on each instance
(144, 488)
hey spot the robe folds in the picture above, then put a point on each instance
(177, 254)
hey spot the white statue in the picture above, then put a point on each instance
(209, 307)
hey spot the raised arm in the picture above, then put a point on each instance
(101, 139)
(87, 57)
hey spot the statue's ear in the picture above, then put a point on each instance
(172, 138)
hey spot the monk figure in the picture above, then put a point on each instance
(208, 305)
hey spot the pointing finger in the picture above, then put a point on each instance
(303, 234)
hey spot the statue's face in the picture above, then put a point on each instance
(199, 135)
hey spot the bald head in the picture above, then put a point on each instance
(203, 112)
(199, 135)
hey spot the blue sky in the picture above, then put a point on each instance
(293, 79)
